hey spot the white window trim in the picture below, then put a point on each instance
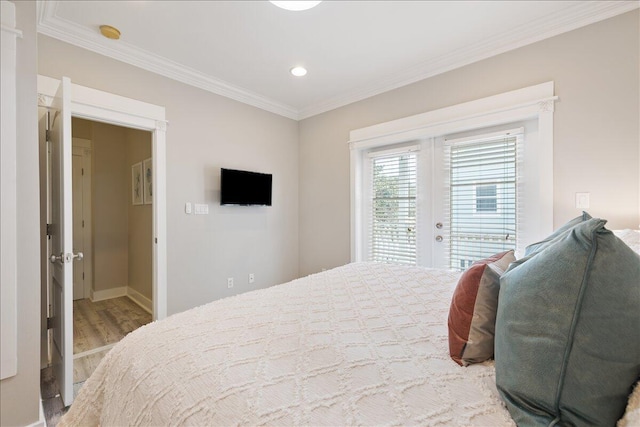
(533, 102)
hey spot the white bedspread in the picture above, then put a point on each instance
(361, 344)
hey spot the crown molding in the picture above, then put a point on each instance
(51, 25)
(575, 16)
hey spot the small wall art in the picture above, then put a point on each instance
(147, 170)
(136, 184)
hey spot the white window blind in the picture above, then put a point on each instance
(481, 193)
(392, 219)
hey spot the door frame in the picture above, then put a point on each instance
(96, 105)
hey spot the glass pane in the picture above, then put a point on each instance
(393, 216)
(482, 204)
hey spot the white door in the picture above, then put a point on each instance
(475, 197)
(62, 241)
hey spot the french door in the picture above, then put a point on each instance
(444, 202)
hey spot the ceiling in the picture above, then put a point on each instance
(352, 49)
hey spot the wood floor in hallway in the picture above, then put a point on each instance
(97, 326)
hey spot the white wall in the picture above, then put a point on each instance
(596, 130)
(19, 395)
(206, 132)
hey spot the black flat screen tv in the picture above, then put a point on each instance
(245, 188)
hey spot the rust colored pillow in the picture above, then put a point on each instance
(472, 316)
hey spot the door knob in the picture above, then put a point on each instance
(438, 225)
(66, 258)
(438, 238)
(56, 258)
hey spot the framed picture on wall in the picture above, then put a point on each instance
(136, 184)
(147, 178)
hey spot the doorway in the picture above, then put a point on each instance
(112, 283)
(67, 100)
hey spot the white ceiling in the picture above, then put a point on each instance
(352, 49)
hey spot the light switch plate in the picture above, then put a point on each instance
(582, 200)
(201, 209)
(187, 208)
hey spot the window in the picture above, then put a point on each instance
(482, 199)
(486, 198)
(392, 232)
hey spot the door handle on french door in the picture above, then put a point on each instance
(62, 258)
(56, 258)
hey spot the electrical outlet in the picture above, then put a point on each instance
(230, 282)
(252, 278)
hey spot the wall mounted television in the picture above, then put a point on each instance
(245, 188)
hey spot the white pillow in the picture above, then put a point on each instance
(632, 414)
(630, 237)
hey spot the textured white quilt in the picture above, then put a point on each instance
(361, 344)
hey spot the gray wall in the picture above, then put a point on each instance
(140, 235)
(596, 130)
(110, 199)
(122, 233)
(19, 395)
(206, 132)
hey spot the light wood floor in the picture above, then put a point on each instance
(97, 326)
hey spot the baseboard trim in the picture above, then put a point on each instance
(93, 351)
(145, 303)
(124, 291)
(109, 293)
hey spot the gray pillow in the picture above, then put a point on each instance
(567, 344)
(535, 247)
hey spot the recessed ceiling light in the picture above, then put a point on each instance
(110, 32)
(296, 5)
(298, 71)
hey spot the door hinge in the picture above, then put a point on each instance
(83, 223)
(83, 275)
(82, 171)
(49, 230)
(47, 135)
(49, 322)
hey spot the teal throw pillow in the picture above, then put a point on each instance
(567, 343)
(535, 247)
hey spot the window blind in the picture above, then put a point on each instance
(392, 223)
(481, 205)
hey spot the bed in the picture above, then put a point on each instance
(361, 344)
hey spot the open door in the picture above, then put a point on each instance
(62, 255)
